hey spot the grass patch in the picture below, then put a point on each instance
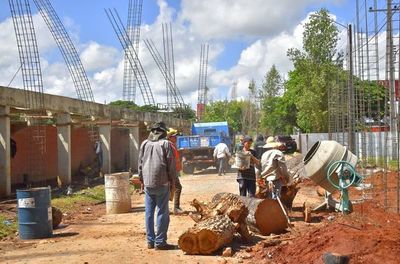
(7, 226)
(393, 165)
(87, 196)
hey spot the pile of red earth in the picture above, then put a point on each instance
(368, 235)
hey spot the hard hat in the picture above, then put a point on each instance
(172, 132)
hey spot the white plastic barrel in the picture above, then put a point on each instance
(118, 198)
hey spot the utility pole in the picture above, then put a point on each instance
(390, 61)
(352, 134)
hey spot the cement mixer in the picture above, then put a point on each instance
(332, 166)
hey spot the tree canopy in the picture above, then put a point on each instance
(314, 72)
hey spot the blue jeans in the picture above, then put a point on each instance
(247, 186)
(156, 198)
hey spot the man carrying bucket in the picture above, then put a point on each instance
(246, 176)
(157, 172)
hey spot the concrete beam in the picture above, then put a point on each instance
(134, 148)
(105, 139)
(5, 150)
(54, 103)
(64, 148)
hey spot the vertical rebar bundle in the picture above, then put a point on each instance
(133, 31)
(202, 88)
(234, 91)
(71, 58)
(125, 41)
(168, 45)
(67, 48)
(376, 99)
(175, 96)
(33, 84)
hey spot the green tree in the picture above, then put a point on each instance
(273, 108)
(272, 83)
(180, 112)
(185, 112)
(133, 106)
(225, 111)
(314, 72)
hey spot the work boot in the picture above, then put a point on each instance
(165, 247)
(150, 245)
(178, 211)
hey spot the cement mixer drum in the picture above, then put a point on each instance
(320, 156)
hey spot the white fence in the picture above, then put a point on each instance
(374, 144)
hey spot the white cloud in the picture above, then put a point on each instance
(226, 18)
(96, 56)
(257, 59)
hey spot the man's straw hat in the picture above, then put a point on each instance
(271, 143)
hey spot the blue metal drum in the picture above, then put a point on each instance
(34, 213)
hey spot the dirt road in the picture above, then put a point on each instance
(121, 238)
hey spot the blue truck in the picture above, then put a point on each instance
(197, 149)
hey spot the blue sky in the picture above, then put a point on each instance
(246, 38)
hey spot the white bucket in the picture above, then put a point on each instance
(118, 199)
(242, 160)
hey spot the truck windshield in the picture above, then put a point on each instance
(210, 132)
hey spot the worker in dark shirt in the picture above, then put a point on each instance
(246, 176)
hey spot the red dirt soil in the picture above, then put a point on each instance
(368, 235)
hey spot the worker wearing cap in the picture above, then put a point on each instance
(273, 168)
(171, 135)
(246, 177)
(157, 172)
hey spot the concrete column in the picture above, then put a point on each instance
(5, 152)
(134, 148)
(105, 139)
(64, 147)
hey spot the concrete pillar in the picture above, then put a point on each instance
(5, 151)
(105, 139)
(64, 147)
(134, 148)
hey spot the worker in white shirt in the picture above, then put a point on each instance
(221, 154)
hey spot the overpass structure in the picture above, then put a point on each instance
(64, 115)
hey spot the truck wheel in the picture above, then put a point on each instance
(188, 169)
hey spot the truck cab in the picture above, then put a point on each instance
(197, 150)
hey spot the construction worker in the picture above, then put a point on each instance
(222, 155)
(157, 172)
(246, 176)
(171, 135)
(274, 172)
